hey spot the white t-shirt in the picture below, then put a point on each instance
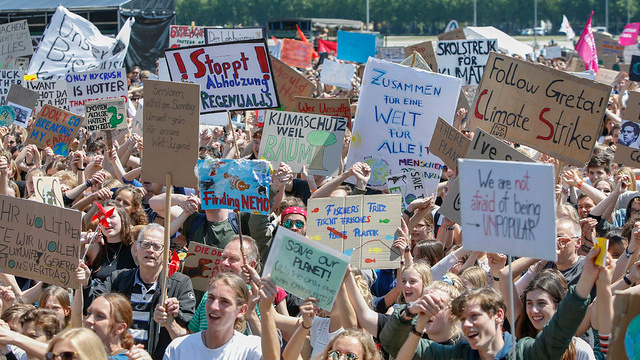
(320, 335)
(583, 350)
(191, 347)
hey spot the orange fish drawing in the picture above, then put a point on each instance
(236, 183)
(315, 210)
(369, 261)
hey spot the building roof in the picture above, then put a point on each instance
(34, 5)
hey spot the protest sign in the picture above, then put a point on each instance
(22, 100)
(606, 76)
(409, 184)
(608, 61)
(607, 45)
(508, 207)
(397, 112)
(220, 35)
(184, 35)
(41, 242)
(52, 92)
(95, 85)
(464, 59)
(625, 337)
(107, 114)
(55, 128)
(7, 115)
(629, 52)
(552, 52)
(632, 111)
(72, 44)
(305, 268)
(360, 226)
(21, 62)
(300, 139)
(232, 76)
(337, 74)
(220, 119)
(15, 39)
(416, 62)
(547, 109)
(296, 53)
(448, 144)
(136, 124)
(7, 78)
(201, 264)
(576, 64)
(353, 46)
(47, 190)
(290, 84)
(482, 146)
(235, 184)
(170, 132)
(634, 68)
(391, 53)
(628, 146)
(325, 106)
(425, 49)
(456, 34)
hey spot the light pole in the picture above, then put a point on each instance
(475, 17)
(367, 15)
(535, 23)
(606, 15)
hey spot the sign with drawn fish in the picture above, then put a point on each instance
(235, 184)
(360, 226)
(201, 263)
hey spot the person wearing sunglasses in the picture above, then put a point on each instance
(294, 218)
(76, 344)
(142, 287)
(352, 344)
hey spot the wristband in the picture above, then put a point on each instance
(407, 249)
(627, 280)
(88, 183)
(585, 248)
(80, 169)
(306, 328)
(450, 228)
(415, 331)
(580, 184)
(628, 254)
(407, 212)
(496, 278)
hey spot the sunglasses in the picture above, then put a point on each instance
(336, 355)
(289, 224)
(65, 355)
(147, 244)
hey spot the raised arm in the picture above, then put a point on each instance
(367, 318)
(361, 171)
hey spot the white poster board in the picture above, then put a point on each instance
(15, 39)
(337, 74)
(52, 92)
(221, 35)
(95, 85)
(465, 59)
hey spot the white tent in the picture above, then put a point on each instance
(506, 43)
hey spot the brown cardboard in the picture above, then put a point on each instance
(43, 131)
(626, 308)
(327, 106)
(201, 264)
(457, 34)
(426, 50)
(290, 84)
(448, 144)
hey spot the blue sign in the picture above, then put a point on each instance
(353, 46)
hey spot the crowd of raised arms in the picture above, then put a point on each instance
(444, 302)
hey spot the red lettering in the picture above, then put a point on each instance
(478, 115)
(546, 123)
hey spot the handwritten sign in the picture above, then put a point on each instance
(448, 144)
(235, 184)
(296, 53)
(305, 268)
(607, 77)
(626, 319)
(232, 76)
(606, 45)
(337, 74)
(183, 35)
(7, 78)
(354, 46)
(52, 92)
(456, 34)
(170, 132)
(409, 184)
(549, 110)
(629, 52)
(465, 59)
(301, 139)
(15, 39)
(325, 106)
(108, 114)
(290, 84)
(95, 85)
(360, 226)
(7, 115)
(218, 35)
(41, 242)
(391, 53)
(55, 128)
(397, 112)
(628, 147)
(201, 264)
(22, 100)
(508, 207)
(48, 190)
(425, 49)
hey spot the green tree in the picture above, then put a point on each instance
(320, 139)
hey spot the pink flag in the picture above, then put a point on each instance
(629, 35)
(586, 47)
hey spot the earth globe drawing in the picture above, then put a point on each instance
(632, 339)
(379, 171)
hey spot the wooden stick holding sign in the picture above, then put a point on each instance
(235, 140)
(244, 257)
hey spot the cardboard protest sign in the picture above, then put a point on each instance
(72, 44)
(465, 59)
(547, 109)
(305, 268)
(296, 53)
(354, 46)
(625, 337)
(456, 34)
(337, 74)
(629, 52)
(7, 78)
(220, 35)
(107, 114)
(632, 111)
(55, 128)
(22, 100)
(290, 84)
(41, 242)
(508, 208)
(47, 190)
(607, 45)
(409, 184)
(95, 85)
(15, 39)
(628, 146)
(324, 106)
(235, 184)
(448, 144)
(391, 53)
(300, 139)
(201, 264)
(425, 49)
(360, 226)
(184, 35)
(606, 76)
(482, 146)
(7, 115)
(416, 62)
(232, 76)
(136, 124)
(397, 112)
(634, 68)
(170, 132)
(576, 64)
(52, 92)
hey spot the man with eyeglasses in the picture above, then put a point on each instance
(142, 286)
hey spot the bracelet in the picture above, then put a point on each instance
(406, 315)
(585, 248)
(628, 254)
(306, 328)
(580, 184)
(80, 169)
(415, 331)
(585, 239)
(88, 183)
(407, 249)
(450, 228)
(496, 278)
(407, 212)
(627, 280)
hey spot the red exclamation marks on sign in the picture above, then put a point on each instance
(262, 59)
(180, 64)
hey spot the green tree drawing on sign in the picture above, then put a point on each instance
(320, 139)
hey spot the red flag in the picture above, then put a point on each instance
(304, 39)
(629, 35)
(102, 215)
(586, 47)
(275, 39)
(174, 264)
(327, 46)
